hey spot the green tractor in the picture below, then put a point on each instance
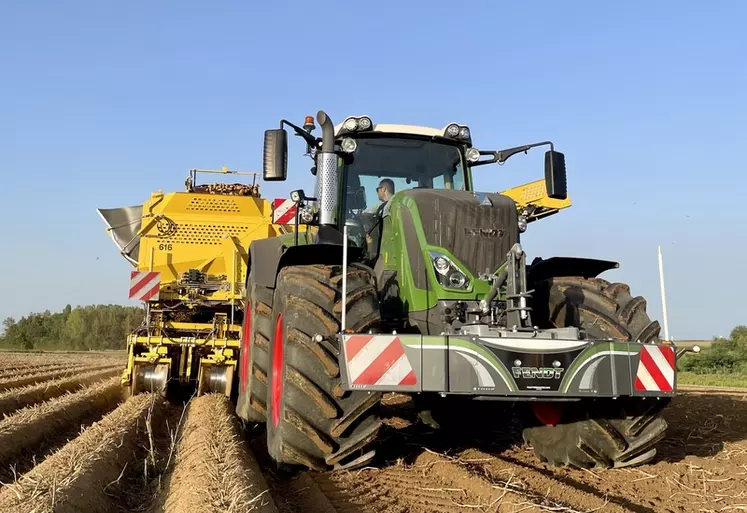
(405, 279)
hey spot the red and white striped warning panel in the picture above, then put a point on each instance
(283, 211)
(377, 360)
(655, 369)
(145, 286)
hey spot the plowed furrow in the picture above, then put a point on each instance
(214, 470)
(36, 369)
(25, 435)
(80, 477)
(33, 378)
(17, 398)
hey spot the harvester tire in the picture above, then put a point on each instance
(603, 432)
(311, 420)
(252, 404)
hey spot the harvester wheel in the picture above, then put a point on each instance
(605, 432)
(311, 421)
(215, 379)
(252, 405)
(149, 378)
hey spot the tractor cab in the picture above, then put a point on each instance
(378, 165)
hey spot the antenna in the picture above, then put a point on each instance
(663, 296)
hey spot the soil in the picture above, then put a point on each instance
(701, 467)
(197, 458)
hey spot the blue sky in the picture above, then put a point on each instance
(103, 102)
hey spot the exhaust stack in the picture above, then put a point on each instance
(326, 175)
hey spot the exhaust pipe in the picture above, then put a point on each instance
(326, 174)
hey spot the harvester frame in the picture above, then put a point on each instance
(189, 249)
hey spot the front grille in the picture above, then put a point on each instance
(478, 235)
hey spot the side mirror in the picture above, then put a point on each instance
(275, 160)
(555, 180)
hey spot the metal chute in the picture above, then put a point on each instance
(123, 225)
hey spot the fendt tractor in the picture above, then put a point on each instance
(189, 253)
(408, 280)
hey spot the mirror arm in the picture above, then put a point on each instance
(310, 139)
(503, 155)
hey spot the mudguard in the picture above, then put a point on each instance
(542, 269)
(268, 256)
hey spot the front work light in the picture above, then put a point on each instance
(356, 124)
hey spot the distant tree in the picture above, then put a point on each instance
(89, 327)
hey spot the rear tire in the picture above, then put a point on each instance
(311, 421)
(606, 432)
(252, 404)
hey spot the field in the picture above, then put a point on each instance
(69, 442)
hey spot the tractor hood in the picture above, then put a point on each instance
(477, 228)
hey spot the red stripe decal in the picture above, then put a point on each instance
(152, 292)
(381, 364)
(410, 379)
(654, 371)
(142, 283)
(354, 344)
(639, 385)
(668, 353)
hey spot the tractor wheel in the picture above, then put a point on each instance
(596, 433)
(311, 420)
(252, 404)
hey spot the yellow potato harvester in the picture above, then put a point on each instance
(189, 253)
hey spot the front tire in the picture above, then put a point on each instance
(311, 420)
(605, 432)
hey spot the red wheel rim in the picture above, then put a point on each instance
(276, 382)
(548, 413)
(245, 344)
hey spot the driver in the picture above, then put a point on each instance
(384, 192)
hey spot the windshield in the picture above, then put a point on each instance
(407, 163)
(382, 166)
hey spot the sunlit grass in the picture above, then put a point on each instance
(735, 380)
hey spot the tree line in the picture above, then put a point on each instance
(725, 356)
(79, 328)
(107, 327)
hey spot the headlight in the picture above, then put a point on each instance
(522, 224)
(464, 132)
(441, 264)
(364, 123)
(472, 154)
(457, 280)
(348, 145)
(306, 215)
(350, 124)
(449, 275)
(452, 130)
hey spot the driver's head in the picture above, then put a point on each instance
(385, 190)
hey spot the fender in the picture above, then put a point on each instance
(567, 266)
(268, 256)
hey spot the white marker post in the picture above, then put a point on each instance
(663, 296)
(344, 277)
